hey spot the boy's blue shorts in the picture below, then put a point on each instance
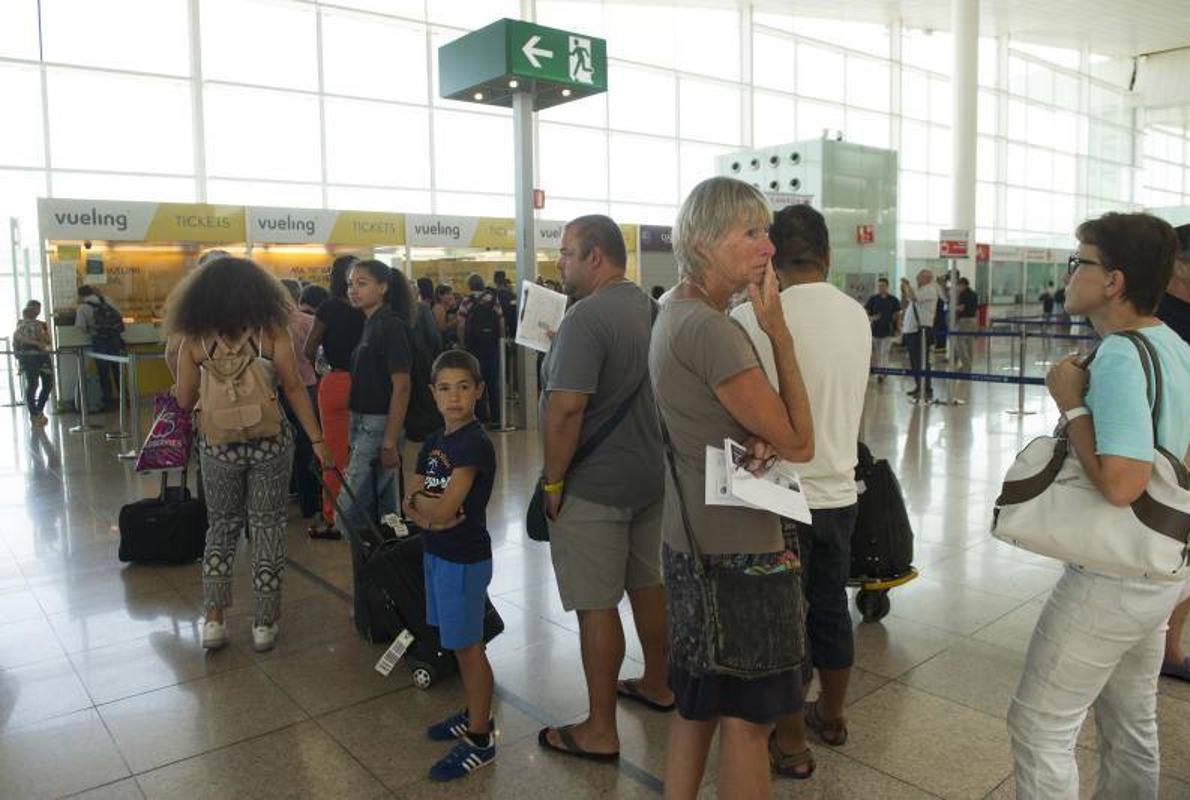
(455, 595)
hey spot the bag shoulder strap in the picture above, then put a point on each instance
(605, 430)
(695, 552)
(1151, 365)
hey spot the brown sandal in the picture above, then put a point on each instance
(798, 766)
(832, 732)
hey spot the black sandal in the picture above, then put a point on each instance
(318, 532)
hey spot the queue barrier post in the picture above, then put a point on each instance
(133, 362)
(1020, 393)
(14, 399)
(504, 427)
(84, 426)
(121, 387)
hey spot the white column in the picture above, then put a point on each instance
(197, 108)
(526, 254)
(964, 27)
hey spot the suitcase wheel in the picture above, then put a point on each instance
(874, 605)
(424, 675)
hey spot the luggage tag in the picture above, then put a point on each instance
(394, 652)
(394, 521)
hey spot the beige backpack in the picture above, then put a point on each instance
(237, 396)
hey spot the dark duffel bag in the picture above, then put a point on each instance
(882, 544)
(168, 529)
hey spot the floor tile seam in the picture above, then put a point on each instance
(104, 785)
(175, 685)
(115, 607)
(856, 760)
(1002, 595)
(935, 695)
(999, 619)
(209, 751)
(330, 735)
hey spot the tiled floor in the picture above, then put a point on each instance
(104, 689)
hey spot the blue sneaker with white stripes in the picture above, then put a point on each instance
(463, 759)
(454, 727)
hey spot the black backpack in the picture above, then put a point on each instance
(482, 329)
(106, 324)
(421, 417)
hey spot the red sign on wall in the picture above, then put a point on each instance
(954, 243)
(983, 252)
(865, 234)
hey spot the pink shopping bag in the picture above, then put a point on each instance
(170, 438)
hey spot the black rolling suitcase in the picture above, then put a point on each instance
(392, 580)
(168, 529)
(882, 544)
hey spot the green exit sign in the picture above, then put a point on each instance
(510, 55)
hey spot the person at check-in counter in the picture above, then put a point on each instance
(101, 324)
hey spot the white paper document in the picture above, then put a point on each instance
(541, 312)
(778, 490)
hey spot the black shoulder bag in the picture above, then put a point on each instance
(536, 523)
(755, 623)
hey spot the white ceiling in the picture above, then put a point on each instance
(1115, 28)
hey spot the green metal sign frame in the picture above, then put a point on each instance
(490, 64)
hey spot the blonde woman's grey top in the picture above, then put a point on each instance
(694, 349)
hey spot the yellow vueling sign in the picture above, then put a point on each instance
(192, 222)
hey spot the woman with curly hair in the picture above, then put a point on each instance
(229, 309)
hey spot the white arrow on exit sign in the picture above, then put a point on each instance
(532, 51)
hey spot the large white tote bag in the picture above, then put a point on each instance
(1048, 505)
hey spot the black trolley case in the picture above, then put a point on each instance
(392, 580)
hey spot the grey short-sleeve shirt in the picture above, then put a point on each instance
(602, 350)
(696, 348)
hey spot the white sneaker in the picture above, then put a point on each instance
(264, 637)
(214, 635)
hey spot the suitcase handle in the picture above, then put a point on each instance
(371, 524)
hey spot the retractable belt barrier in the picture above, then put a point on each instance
(1019, 379)
(131, 359)
(975, 377)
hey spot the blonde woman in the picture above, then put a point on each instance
(709, 385)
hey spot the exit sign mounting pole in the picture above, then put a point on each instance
(528, 67)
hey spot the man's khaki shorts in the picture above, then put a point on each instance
(599, 552)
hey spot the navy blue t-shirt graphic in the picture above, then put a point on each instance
(440, 456)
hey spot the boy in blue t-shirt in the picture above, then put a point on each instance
(447, 500)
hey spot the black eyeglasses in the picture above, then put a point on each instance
(1075, 261)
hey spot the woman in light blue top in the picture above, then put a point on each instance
(1100, 639)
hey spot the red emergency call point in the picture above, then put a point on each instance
(865, 234)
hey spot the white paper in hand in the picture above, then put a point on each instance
(540, 316)
(779, 489)
(718, 493)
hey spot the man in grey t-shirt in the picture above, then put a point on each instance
(605, 512)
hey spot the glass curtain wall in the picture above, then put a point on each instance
(302, 103)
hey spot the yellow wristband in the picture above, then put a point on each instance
(553, 488)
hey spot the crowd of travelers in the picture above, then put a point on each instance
(737, 610)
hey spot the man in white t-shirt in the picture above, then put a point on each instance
(918, 327)
(833, 340)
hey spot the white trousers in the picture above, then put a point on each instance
(1099, 642)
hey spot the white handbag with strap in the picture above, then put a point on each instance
(1048, 504)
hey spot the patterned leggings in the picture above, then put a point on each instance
(247, 484)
